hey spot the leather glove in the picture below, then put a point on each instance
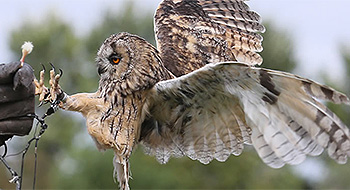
(16, 100)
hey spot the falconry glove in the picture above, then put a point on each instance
(16, 100)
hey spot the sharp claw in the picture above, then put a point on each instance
(46, 95)
(40, 104)
(61, 72)
(53, 67)
(44, 69)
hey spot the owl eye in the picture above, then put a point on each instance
(114, 59)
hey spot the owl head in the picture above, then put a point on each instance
(127, 63)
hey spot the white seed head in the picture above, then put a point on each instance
(27, 47)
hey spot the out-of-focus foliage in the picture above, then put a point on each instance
(278, 53)
(125, 19)
(68, 158)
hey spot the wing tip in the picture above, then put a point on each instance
(324, 92)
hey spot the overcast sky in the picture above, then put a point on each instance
(317, 27)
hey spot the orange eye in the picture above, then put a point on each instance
(116, 60)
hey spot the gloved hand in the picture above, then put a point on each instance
(16, 100)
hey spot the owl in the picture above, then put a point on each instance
(200, 94)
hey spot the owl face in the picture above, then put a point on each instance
(113, 58)
(126, 64)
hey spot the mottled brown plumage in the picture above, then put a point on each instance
(218, 103)
(209, 31)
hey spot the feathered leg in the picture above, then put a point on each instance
(121, 169)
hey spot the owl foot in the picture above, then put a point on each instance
(53, 95)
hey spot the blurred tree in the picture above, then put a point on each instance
(67, 157)
(278, 53)
(126, 19)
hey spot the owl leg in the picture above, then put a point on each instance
(121, 170)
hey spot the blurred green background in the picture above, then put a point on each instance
(68, 158)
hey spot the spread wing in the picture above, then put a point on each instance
(192, 33)
(210, 113)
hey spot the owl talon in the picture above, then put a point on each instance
(40, 104)
(52, 95)
(44, 69)
(52, 67)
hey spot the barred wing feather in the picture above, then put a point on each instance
(192, 33)
(212, 112)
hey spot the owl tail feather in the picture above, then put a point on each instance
(121, 171)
